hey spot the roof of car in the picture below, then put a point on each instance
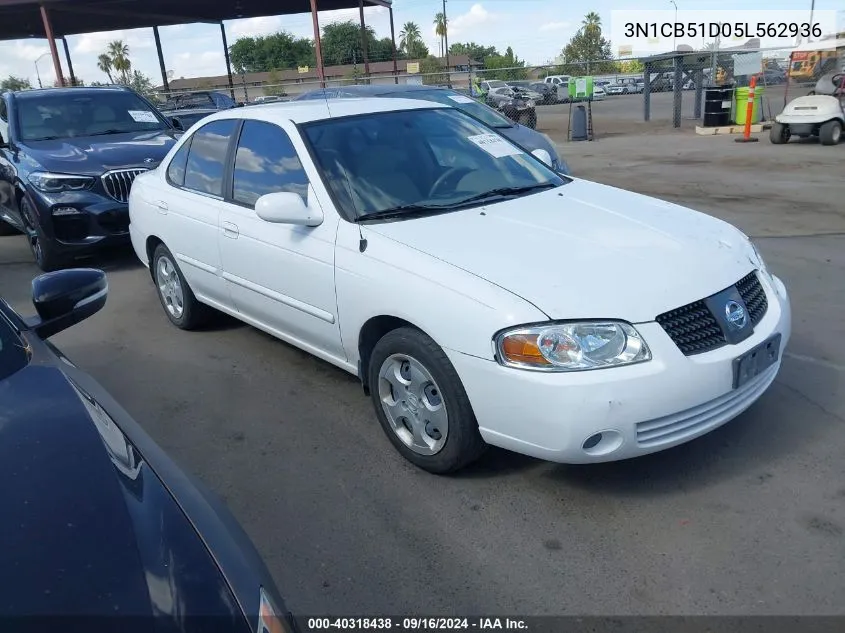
(36, 92)
(316, 110)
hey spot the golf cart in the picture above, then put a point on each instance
(814, 115)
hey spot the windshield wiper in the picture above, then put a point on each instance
(503, 192)
(103, 133)
(405, 211)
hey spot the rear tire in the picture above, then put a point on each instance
(830, 133)
(779, 133)
(419, 400)
(180, 305)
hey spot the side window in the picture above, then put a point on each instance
(4, 115)
(207, 157)
(266, 162)
(177, 167)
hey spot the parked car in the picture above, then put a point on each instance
(200, 99)
(270, 99)
(526, 92)
(184, 119)
(547, 92)
(480, 297)
(618, 89)
(68, 157)
(492, 84)
(98, 521)
(527, 138)
(513, 105)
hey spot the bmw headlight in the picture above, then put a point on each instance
(54, 183)
(574, 346)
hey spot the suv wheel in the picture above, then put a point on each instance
(43, 249)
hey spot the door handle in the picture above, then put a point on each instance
(162, 206)
(230, 230)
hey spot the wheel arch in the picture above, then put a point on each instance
(150, 246)
(370, 333)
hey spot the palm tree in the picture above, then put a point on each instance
(592, 21)
(409, 37)
(104, 64)
(440, 30)
(119, 53)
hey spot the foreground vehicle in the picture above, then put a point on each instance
(526, 137)
(822, 116)
(480, 297)
(183, 119)
(97, 520)
(68, 157)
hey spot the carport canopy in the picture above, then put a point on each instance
(56, 19)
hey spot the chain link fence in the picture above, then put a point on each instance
(628, 95)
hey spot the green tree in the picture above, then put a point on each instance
(411, 42)
(631, 66)
(341, 43)
(507, 67)
(15, 83)
(382, 51)
(588, 45)
(432, 72)
(440, 21)
(104, 63)
(273, 86)
(280, 50)
(139, 82)
(118, 52)
(474, 51)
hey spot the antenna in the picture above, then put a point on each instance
(362, 245)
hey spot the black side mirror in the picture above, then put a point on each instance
(66, 297)
(177, 124)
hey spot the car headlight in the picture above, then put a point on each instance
(54, 183)
(574, 346)
(757, 258)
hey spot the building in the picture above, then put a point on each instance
(294, 81)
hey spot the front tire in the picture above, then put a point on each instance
(421, 403)
(178, 300)
(830, 133)
(779, 133)
(47, 257)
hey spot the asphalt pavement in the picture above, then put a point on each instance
(749, 519)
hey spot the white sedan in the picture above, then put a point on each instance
(481, 298)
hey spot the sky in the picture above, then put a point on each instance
(537, 30)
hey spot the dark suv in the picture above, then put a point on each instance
(68, 157)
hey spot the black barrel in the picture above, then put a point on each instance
(717, 106)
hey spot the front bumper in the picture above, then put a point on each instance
(639, 409)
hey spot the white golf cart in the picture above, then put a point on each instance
(814, 115)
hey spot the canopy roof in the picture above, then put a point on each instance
(21, 19)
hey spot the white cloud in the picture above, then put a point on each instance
(97, 43)
(554, 26)
(198, 64)
(27, 51)
(464, 24)
(253, 27)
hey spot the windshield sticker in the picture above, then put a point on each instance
(461, 99)
(495, 145)
(143, 116)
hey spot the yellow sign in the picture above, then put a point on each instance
(413, 67)
(624, 51)
(303, 70)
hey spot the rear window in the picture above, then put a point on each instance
(13, 351)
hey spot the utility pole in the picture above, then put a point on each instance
(812, 10)
(446, 43)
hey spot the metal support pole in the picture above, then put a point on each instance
(393, 41)
(317, 46)
(228, 61)
(699, 91)
(69, 63)
(165, 84)
(647, 93)
(364, 38)
(54, 51)
(446, 44)
(678, 91)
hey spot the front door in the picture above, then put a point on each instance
(280, 276)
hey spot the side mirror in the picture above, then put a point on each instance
(66, 297)
(285, 207)
(543, 155)
(177, 124)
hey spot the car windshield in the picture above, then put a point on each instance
(419, 162)
(63, 115)
(497, 83)
(13, 352)
(460, 101)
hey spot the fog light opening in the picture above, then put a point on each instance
(65, 211)
(602, 443)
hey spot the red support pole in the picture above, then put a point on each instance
(364, 39)
(317, 48)
(393, 41)
(54, 51)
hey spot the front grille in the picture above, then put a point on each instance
(114, 222)
(119, 182)
(754, 296)
(695, 330)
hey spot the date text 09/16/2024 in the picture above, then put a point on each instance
(417, 624)
(722, 29)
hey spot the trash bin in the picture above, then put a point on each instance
(717, 106)
(740, 105)
(579, 124)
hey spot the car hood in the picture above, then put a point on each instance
(88, 528)
(586, 250)
(93, 155)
